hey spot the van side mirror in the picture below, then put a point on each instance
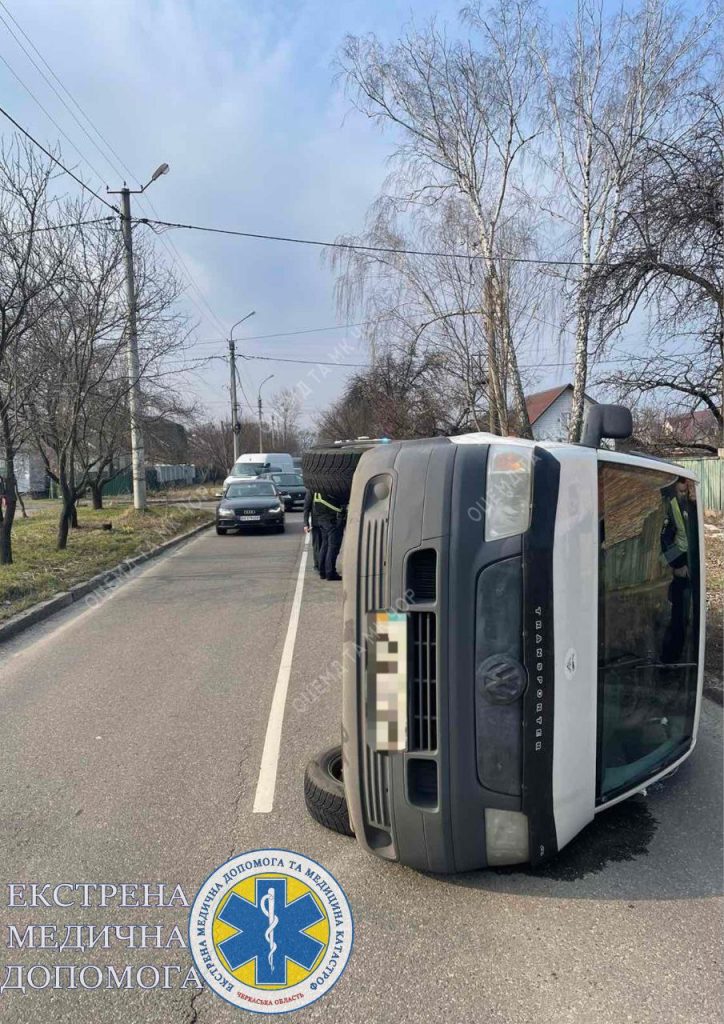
(606, 421)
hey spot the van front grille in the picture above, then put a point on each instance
(372, 597)
(422, 681)
(376, 789)
(374, 564)
(422, 576)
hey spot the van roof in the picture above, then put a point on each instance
(262, 456)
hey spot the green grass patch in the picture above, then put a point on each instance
(39, 571)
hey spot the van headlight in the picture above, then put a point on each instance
(508, 491)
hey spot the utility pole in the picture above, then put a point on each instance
(138, 459)
(261, 441)
(235, 425)
(138, 462)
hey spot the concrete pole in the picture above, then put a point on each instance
(234, 404)
(261, 440)
(134, 395)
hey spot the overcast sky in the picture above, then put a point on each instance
(238, 97)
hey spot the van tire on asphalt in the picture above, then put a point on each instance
(324, 791)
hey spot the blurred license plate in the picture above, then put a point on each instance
(387, 680)
(250, 519)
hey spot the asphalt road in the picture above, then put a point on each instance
(131, 737)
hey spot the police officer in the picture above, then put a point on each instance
(310, 526)
(676, 545)
(330, 517)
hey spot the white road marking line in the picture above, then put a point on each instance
(266, 784)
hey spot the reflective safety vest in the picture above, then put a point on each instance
(681, 539)
(674, 538)
(321, 501)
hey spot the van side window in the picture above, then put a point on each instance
(649, 616)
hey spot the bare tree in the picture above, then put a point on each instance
(612, 83)
(463, 117)
(287, 410)
(428, 303)
(690, 381)
(211, 447)
(669, 259)
(78, 402)
(27, 275)
(397, 397)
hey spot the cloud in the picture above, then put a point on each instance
(238, 98)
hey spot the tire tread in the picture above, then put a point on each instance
(325, 799)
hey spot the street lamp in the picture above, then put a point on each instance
(138, 460)
(161, 169)
(235, 425)
(259, 407)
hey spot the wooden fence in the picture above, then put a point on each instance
(711, 477)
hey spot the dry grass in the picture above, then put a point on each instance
(195, 492)
(39, 571)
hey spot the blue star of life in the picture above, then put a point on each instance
(270, 931)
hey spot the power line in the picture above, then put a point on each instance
(62, 227)
(47, 80)
(361, 248)
(56, 160)
(366, 366)
(291, 334)
(167, 243)
(309, 362)
(50, 117)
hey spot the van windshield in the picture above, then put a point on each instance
(649, 618)
(247, 469)
(287, 479)
(253, 489)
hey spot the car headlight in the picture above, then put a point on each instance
(226, 512)
(508, 491)
(277, 508)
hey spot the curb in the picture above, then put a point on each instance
(39, 612)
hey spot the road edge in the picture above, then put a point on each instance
(45, 609)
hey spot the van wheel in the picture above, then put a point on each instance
(324, 791)
(330, 469)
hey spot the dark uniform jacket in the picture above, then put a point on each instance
(308, 502)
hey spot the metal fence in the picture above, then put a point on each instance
(158, 477)
(711, 477)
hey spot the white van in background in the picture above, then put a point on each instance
(255, 463)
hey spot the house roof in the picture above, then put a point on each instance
(690, 426)
(537, 403)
